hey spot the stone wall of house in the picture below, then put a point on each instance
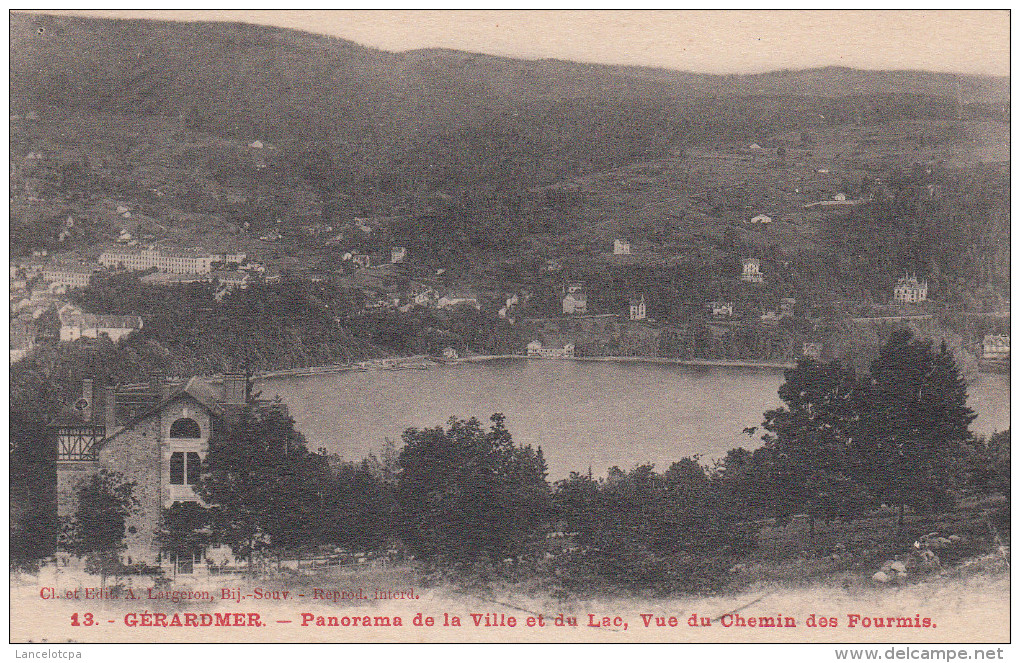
(69, 477)
(135, 453)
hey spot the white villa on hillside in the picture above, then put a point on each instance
(909, 290)
(637, 308)
(752, 271)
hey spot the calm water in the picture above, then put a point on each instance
(581, 413)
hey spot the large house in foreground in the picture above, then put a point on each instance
(156, 435)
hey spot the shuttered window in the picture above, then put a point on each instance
(194, 466)
(177, 468)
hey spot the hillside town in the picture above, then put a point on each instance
(566, 315)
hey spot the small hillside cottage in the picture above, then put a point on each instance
(637, 308)
(155, 435)
(995, 347)
(453, 299)
(575, 303)
(812, 350)
(721, 309)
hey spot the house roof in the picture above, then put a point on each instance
(195, 388)
(460, 295)
(90, 321)
(70, 417)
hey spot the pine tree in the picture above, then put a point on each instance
(97, 530)
(810, 466)
(916, 423)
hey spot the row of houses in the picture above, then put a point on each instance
(536, 349)
(726, 309)
(398, 255)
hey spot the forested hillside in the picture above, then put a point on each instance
(162, 114)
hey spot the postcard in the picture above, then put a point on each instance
(510, 327)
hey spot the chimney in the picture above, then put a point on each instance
(110, 402)
(86, 399)
(234, 389)
(158, 384)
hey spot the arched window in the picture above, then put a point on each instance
(185, 428)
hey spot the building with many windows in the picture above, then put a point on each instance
(72, 276)
(535, 349)
(178, 261)
(75, 324)
(637, 308)
(995, 347)
(752, 271)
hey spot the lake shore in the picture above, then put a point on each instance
(735, 363)
(421, 361)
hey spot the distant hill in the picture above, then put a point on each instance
(360, 131)
(155, 66)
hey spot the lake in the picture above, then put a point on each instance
(583, 414)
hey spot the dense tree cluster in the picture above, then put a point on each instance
(843, 443)
(642, 529)
(284, 325)
(468, 494)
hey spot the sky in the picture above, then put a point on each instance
(736, 41)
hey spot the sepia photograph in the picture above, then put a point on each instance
(450, 326)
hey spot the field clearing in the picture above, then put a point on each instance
(793, 575)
